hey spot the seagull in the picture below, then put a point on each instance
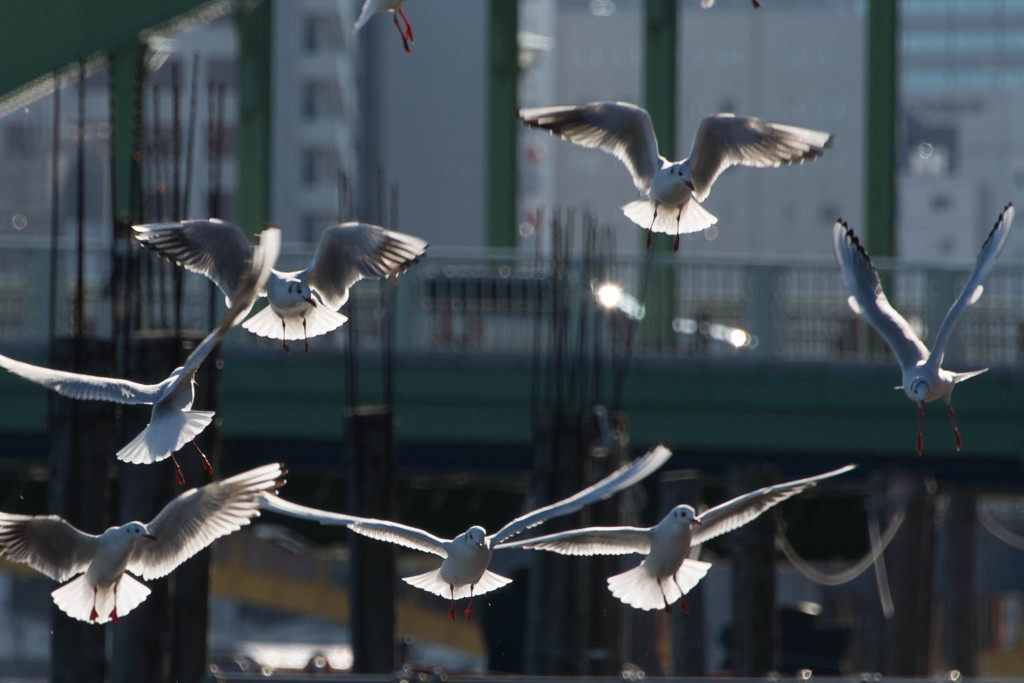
(104, 591)
(463, 573)
(711, 3)
(923, 378)
(172, 422)
(666, 574)
(674, 189)
(303, 303)
(371, 7)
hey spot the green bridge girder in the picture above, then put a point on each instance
(705, 406)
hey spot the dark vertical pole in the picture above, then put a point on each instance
(880, 211)
(81, 440)
(369, 437)
(503, 18)
(961, 622)
(909, 561)
(54, 210)
(255, 32)
(660, 89)
(687, 629)
(752, 548)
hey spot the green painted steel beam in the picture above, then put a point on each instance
(255, 36)
(44, 36)
(125, 69)
(502, 85)
(880, 211)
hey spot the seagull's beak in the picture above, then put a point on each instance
(309, 300)
(689, 184)
(697, 521)
(150, 537)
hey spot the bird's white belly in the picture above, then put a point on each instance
(106, 568)
(466, 568)
(290, 308)
(669, 190)
(665, 561)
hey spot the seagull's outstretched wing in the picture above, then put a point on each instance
(213, 248)
(615, 540)
(378, 529)
(250, 283)
(351, 251)
(622, 478)
(868, 300)
(48, 544)
(973, 288)
(725, 140)
(619, 128)
(198, 517)
(85, 387)
(739, 511)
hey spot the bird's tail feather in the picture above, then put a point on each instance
(80, 600)
(320, 320)
(693, 219)
(153, 445)
(433, 583)
(639, 588)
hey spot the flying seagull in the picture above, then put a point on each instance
(463, 573)
(372, 7)
(172, 423)
(923, 378)
(303, 303)
(666, 574)
(674, 189)
(105, 591)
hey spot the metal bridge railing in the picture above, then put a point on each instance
(491, 301)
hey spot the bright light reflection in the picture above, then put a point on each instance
(295, 656)
(733, 336)
(609, 294)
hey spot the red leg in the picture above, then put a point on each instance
(920, 422)
(668, 606)
(93, 615)
(304, 338)
(956, 432)
(284, 342)
(206, 463)
(177, 471)
(683, 604)
(113, 612)
(756, 4)
(675, 245)
(405, 42)
(650, 230)
(451, 612)
(469, 607)
(409, 27)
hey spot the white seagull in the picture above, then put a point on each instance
(303, 303)
(674, 189)
(666, 575)
(104, 591)
(923, 378)
(463, 573)
(372, 7)
(172, 422)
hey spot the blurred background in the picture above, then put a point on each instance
(539, 343)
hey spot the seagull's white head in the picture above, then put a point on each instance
(684, 515)
(476, 536)
(137, 531)
(917, 389)
(300, 290)
(682, 172)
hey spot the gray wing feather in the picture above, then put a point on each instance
(213, 248)
(971, 291)
(739, 511)
(198, 517)
(48, 544)
(726, 140)
(350, 252)
(865, 288)
(618, 540)
(619, 128)
(390, 532)
(622, 478)
(85, 387)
